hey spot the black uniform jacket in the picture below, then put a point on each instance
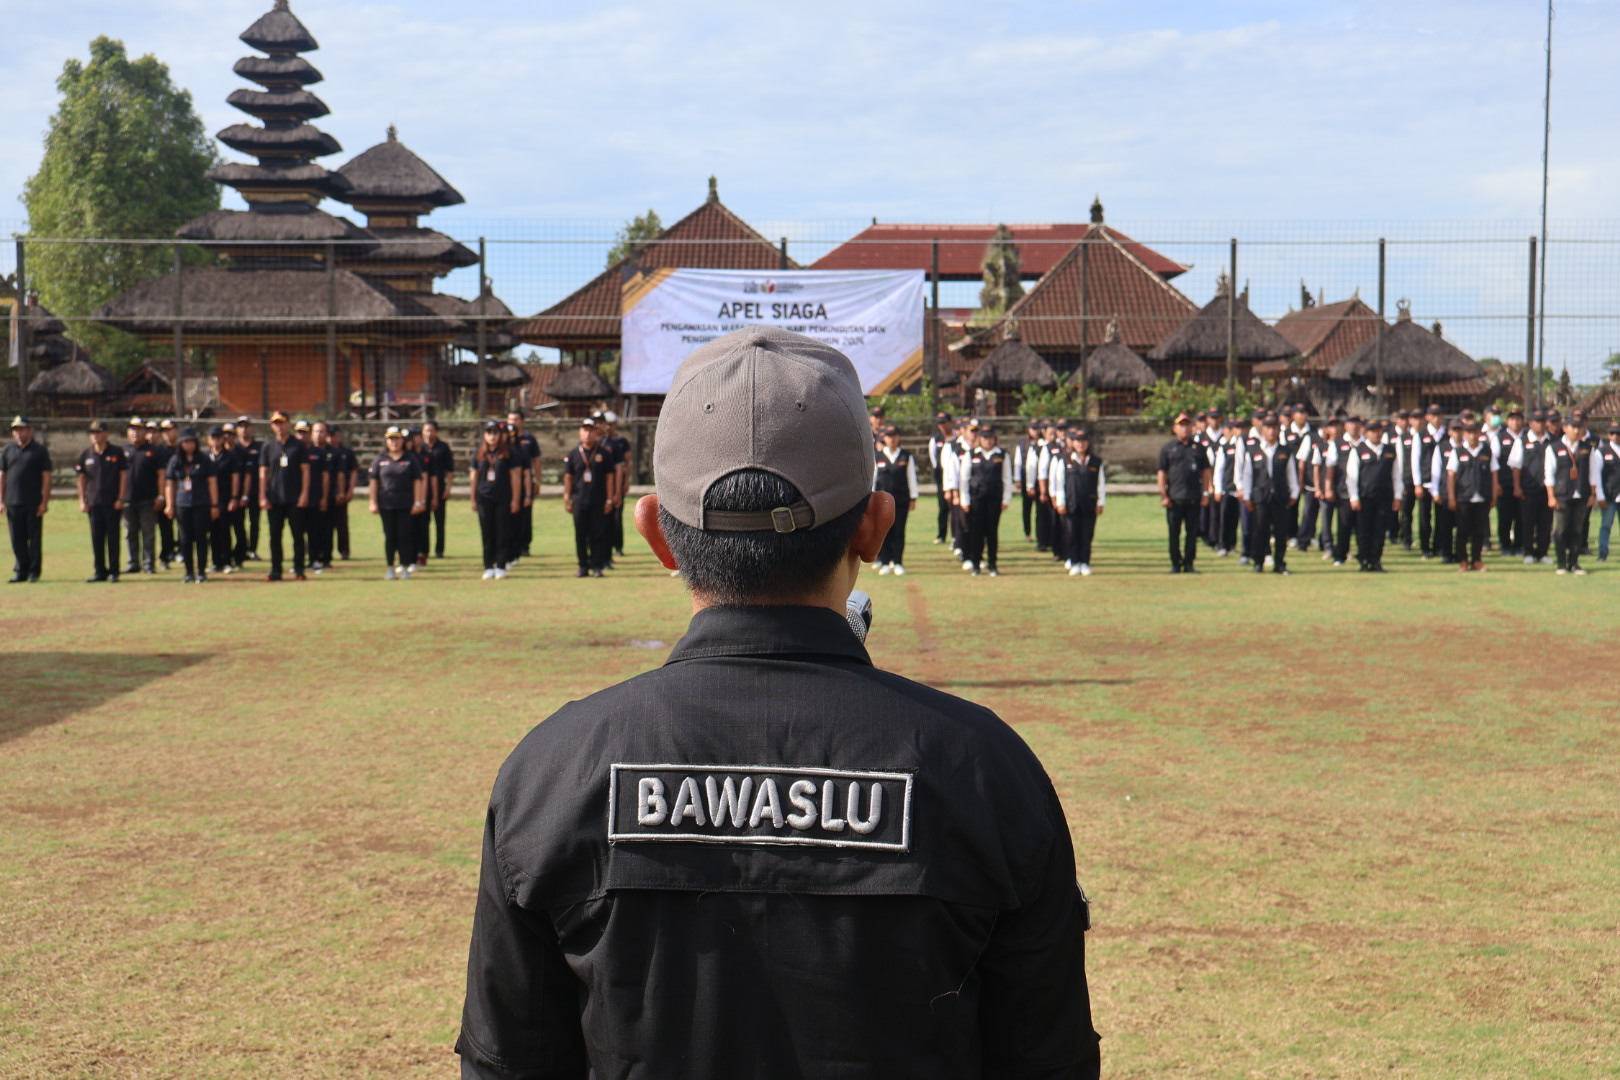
(767, 859)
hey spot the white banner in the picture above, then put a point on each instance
(875, 317)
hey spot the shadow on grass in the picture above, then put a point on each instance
(44, 688)
(1020, 684)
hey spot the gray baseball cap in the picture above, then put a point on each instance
(763, 398)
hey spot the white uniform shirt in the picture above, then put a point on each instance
(911, 469)
(1245, 471)
(965, 473)
(1452, 465)
(1060, 477)
(1549, 472)
(1352, 467)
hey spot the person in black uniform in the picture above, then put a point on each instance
(1405, 437)
(523, 527)
(1527, 464)
(1573, 475)
(165, 440)
(1371, 475)
(896, 473)
(1185, 477)
(1080, 499)
(886, 885)
(345, 471)
(318, 514)
(192, 502)
(1268, 484)
(986, 492)
(399, 493)
(140, 506)
(1471, 489)
(1345, 524)
(441, 480)
(228, 481)
(939, 443)
(25, 499)
(1023, 474)
(1508, 510)
(416, 447)
(103, 479)
(497, 496)
(284, 485)
(589, 480)
(1609, 490)
(247, 452)
(1445, 518)
(1223, 487)
(620, 447)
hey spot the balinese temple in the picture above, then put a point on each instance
(584, 325)
(66, 382)
(1115, 377)
(1105, 277)
(995, 386)
(1420, 368)
(265, 309)
(1321, 335)
(1198, 347)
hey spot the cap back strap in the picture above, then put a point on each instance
(783, 519)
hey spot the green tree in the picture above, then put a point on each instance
(1003, 273)
(126, 157)
(1612, 366)
(634, 236)
(1164, 399)
(1065, 401)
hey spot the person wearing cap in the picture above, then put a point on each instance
(984, 492)
(247, 454)
(284, 488)
(1404, 434)
(345, 472)
(1323, 447)
(1023, 473)
(1428, 439)
(1079, 492)
(25, 498)
(939, 444)
(955, 462)
(1223, 487)
(889, 859)
(416, 447)
(1526, 463)
(162, 436)
(440, 480)
(1268, 484)
(526, 448)
(398, 495)
(1050, 447)
(497, 495)
(103, 479)
(590, 482)
(1504, 440)
(233, 520)
(1185, 477)
(1336, 474)
(1608, 455)
(228, 482)
(1573, 475)
(1446, 541)
(619, 446)
(1371, 473)
(1577, 419)
(1471, 488)
(192, 502)
(896, 474)
(140, 505)
(318, 515)
(878, 416)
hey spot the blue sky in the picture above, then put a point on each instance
(1195, 121)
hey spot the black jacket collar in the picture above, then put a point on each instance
(768, 631)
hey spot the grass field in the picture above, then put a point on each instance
(1333, 825)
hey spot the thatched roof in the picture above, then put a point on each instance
(1322, 336)
(55, 349)
(411, 245)
(304, 139)
(278, 31)
(1604, 401)
(390, 171)
(1012, 365)
(314, 226)
(1203, 337)
(497, 376)
(277, 70)
(291, 178)
(577, 382)
(1116, 367)
(75, 378)
(277, 104)
(1411, 353)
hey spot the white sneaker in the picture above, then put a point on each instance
(389, 576)
(1270, 562)
(500, 575)
(883, 568)
(1578, 572)
(407, 572)
(1529, 559)
(899, 571)
(511, 564)
(489, 575)
(1085, 569)
(1547, 560)
(1074, 570)
(1561, 571)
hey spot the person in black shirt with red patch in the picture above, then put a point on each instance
(497, 496)
(25, 498)
(345, 467)
(103, 483)
(284, 485)
(398, 496)
(193, 502)
(589, 477)
(440, 480)
(318, 514)
(229, 481)
(1185, 478)
(619, 446)
(523, 527)
(247, 452)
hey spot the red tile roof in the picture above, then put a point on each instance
(1121, 289)
(710, 237)
(1324, 335)
(961, 249)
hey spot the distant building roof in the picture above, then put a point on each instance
(279, 32)
(74, 378)
(1012, 365)
(1203, 337)
(1410, 353)
(1322, 335)
(390, 171)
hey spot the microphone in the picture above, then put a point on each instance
(858, 613)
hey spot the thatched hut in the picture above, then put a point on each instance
(1198, 347)
(1420, 367)
(1604, 401)
(579, 388)
(1116, 376)
(498, 375)
(1000, 378)
(76, 387)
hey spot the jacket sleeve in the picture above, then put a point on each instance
(521, 1018)
(1035, 1007)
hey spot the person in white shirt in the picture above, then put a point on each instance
(1525, 461)
(1372, 469)
(1079, 492)
(896, 473)
(944, 432)
(1471, 490)
(1445, 518)
(983, 492)
(1023, 464)
(1268, 484)
(1574, 478)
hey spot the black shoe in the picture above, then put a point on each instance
(582, 572)
(33, 578)
(17, 579)
(272, 577)
(1258, 568)
(202, 579)
(596, 573)
(132, 569)
(299, 577)
(98, 579)
(1281, 570)
(188, 580)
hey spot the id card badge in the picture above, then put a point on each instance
(489, 476)
(587, 477)
(185, 485)
(283, 461)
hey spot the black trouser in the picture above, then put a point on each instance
(1473, 528)
(1507, 522)
(318, 534)
(399, 536)
(239, 544)
(140, 528)
(1309, 507)
(27, 531)
(1568, 521)
(438, 530)
(1062, 529)
(1206, 524)
(340, 528)
(984, 532)
(893, 550)
(591, 535)
(104, 538)
(944, 512)
(1028, 509)
(1045, 530)
(1404, 532)
(959, 527)
(1425, 509)
(1182, 515)
(219, 539)
(523, 530)
(1231, 512)
(1535, 522)
(495, 525)
(1344, 528)
(1270, 530)
(194, 527)
(253, 526)
(165, 525)
(1325, 533)
(1372, 529)
(292, 519)
(1082, 521)
(1445, 531)
(419, 538)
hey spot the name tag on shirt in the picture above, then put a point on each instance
(185, 485)
(489, 475)
(759, 804)
(283, 461)
(586, 477)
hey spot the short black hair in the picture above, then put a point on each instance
(757, 567)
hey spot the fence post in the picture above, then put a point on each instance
(331, 328)
(784, 259)
(1378, 347)
(932, 338)
(1532, 381)
(1231, 332)
(24, 326)
(1085, 325)
(179, 339)
(478, 322)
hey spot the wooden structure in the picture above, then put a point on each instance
(76, 387)
(1420, 368)
(579, 388)
(996, 385)
(1198, 347)
(1115, 376)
